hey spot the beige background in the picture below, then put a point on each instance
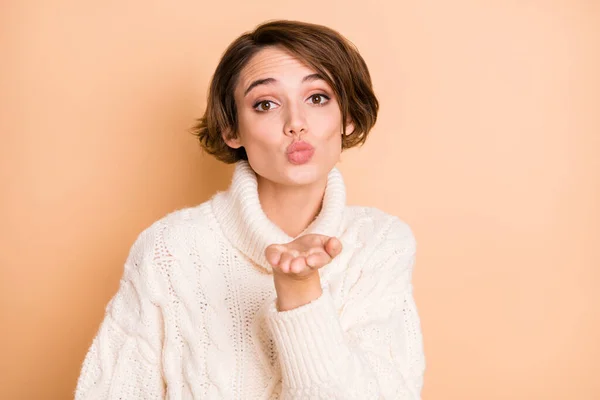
(488, 144)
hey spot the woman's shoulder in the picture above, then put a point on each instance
(178, 232)
(196, 217)
(376, 225)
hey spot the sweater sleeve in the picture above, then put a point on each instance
(123, 361)
(372, 350)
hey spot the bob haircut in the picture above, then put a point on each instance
(331, 55)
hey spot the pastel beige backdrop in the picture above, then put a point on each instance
(488, 144)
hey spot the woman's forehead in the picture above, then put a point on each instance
(272, 62)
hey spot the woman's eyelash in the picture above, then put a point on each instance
(260, 102)
(322, 95)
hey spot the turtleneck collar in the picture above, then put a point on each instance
(244, 223)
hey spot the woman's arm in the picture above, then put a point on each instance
(373, 350)
(123, 361)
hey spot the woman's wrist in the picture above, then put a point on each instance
(294, 293)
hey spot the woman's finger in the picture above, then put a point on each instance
(317, 260)
(273, 254)
(284, 262)
(333, 247)
(297, 265)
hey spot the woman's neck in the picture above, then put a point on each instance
(292, 208)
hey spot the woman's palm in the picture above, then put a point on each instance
(303, 255)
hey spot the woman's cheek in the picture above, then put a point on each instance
(331, 120)
(267, 125)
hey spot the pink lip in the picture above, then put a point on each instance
(299, 146)
(300, 152)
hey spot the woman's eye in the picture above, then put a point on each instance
(318, 99)
(264, 105)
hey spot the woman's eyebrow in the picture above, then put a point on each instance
(313, 77)
(268, 81)
(257, 82)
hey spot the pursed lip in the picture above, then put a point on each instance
(299, 146)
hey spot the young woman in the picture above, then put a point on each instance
(275, 288)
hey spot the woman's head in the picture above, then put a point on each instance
(288, 82)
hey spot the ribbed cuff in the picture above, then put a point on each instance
(310, 341)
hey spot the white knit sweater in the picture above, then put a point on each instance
(195, 315)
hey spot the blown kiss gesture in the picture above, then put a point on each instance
(296, 268)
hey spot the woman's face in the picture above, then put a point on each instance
(289, 121)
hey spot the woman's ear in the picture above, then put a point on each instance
(349, 128)
(231, 140)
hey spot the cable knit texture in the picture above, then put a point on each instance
(195, 314)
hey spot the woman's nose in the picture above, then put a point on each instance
(295, 123)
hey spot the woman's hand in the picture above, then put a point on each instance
(303, 256)
(296, 268)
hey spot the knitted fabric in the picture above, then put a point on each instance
(195, 317)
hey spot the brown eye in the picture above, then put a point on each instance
(264, 105)
(319, 99)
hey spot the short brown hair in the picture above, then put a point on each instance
(320, 47)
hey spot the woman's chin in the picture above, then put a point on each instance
(287, 173)
(305, 174)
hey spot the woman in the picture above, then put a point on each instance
(274, 288)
